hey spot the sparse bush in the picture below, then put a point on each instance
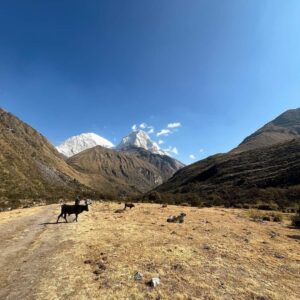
(185, 204)
(267, 206)
(265, 216)
(246, 206)
(296, 220)
(155, 197)
(277, 217)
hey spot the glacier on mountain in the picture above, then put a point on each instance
(78, 143)
(139, 138)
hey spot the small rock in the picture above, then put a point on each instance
(277, 255)
(138, 276)
(206, 247)
(101, 266)
(154, 282)
(97, 272)
(273, 234)
(88, 261)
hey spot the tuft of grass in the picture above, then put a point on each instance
(256, 214)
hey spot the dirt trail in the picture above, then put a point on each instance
(30, 246)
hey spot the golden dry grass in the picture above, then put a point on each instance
(215, 254)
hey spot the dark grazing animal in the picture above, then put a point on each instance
(67, 209)
(130, 205)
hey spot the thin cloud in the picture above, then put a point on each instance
(134, 127)
(192, 156)
(201, 150)
(151, 130)
(164, 132)
(144, 126)
(171, 150)
(160, 142)
(174, 125)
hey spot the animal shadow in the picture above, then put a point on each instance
(294, 236)
(53, 223)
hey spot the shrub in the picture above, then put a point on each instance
(277, 217)
(296, 220)
(265, 216)
(267, 206)
(154, 196)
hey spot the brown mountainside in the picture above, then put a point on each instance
(265, 167)
(269, 174)
(30, 167)
(284, 128)
(125, 171)
(164, 163)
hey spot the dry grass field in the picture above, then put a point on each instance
(215, 254)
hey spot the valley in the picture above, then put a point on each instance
(263, 170)
(215, 254)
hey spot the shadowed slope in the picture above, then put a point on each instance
(284, 128)
(30, 167)
(127, 173)
(241, 177)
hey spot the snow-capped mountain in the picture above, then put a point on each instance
(78, 143)
(140, 138)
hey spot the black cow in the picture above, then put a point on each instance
(130, 205)
(67, 209)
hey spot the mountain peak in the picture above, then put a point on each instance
(81, 142)
(283, 128)
(139, 138)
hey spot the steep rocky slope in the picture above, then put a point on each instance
(125, 171)
(283, 128)
(264, 168)
(164, 163)
(30, 167)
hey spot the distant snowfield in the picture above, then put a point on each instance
(140, 138)
(79, 143)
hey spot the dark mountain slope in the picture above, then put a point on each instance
(125, 171)
(164, 163)
(264, 167)
(284, 128)
(264, 174)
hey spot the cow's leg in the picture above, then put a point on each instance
(58, 217)
(65, 217)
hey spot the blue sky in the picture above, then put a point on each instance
(219, 68)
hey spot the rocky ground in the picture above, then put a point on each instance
(215, 254)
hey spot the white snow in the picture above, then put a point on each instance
(78, 143)
(140, 138)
